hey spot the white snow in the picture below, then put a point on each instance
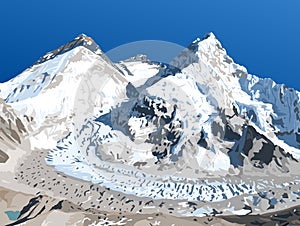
(65, 95)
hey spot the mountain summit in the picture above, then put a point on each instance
(80, 40)
(199, 136)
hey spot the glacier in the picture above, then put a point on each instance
(199, 129)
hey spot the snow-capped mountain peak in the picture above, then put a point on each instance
(81, 40)
(183, 131)
(210, 36)
(138, 57)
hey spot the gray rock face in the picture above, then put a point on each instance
(3, 157)
(12, 129)
(259, 150)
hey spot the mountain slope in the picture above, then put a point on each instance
(188, 138)
(12, 130)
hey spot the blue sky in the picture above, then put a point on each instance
(264, 35)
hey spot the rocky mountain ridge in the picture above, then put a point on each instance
(193, 134)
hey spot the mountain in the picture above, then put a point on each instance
(193, 138)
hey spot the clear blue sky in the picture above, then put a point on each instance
(264, 35)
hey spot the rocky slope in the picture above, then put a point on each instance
(199, 136)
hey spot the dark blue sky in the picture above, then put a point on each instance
(264, 35)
